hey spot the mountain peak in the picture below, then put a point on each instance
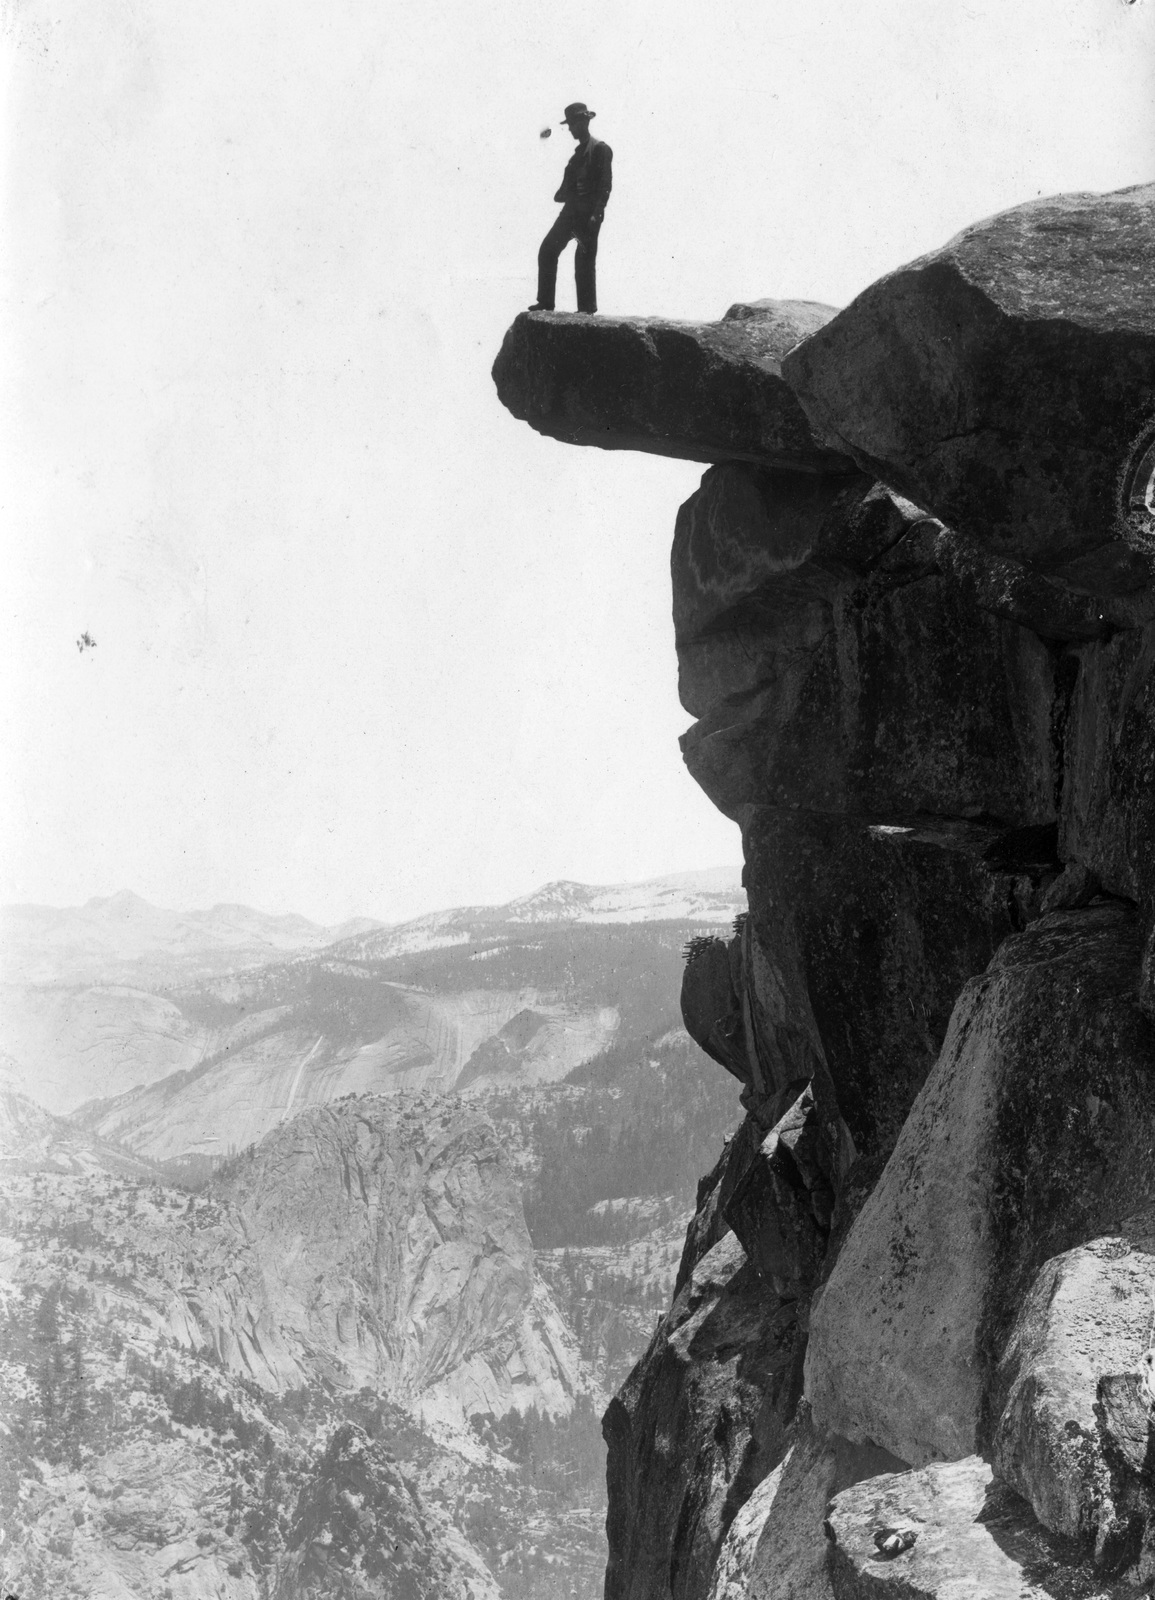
(124, 903)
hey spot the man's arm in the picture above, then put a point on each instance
(603, 178)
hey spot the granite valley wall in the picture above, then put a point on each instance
(914, 608)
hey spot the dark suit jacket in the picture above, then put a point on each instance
(588, 177)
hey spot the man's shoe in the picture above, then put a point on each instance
(537, 306)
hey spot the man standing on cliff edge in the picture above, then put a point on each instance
(585, 188)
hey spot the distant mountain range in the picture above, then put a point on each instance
(188, 1049)
(714, 895)
(122, 938)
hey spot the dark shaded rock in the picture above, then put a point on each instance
(782, 1206)
(696, 1427)
(1075, 886)
(1108, 810)
(860, 939)
(1034, 1132)
(708, 1223)
(974, 1538)
(1021, 594)
(712, 1005)
(1125, 1536)
(1125, 1423)
(1147, 977)
(1005, 382)
(778, 540)
(1087, 1317)
(704, 391)
(898, 695)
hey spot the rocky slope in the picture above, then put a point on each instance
(511, 1007)
(269, 1388)
(913, 604)
(516, 995)
(347, 1343)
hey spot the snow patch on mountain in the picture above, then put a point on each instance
(712, 897)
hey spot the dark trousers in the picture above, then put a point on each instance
(571, 224)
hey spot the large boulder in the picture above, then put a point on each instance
(1005, 381)
(1085, 1322)
(1033, 1134)
(973, 1541)
(696, 1427)
(704, 391)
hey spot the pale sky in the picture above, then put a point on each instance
(363, 642)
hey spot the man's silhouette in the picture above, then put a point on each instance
(585, 188)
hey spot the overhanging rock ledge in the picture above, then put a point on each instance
(703, 391)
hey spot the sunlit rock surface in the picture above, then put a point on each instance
(1033, 1133)
(1074, 1343)
(972, 1539)
(388, 1244)
(1005, 382)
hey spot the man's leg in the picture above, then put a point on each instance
(552, 246)
(585, 262)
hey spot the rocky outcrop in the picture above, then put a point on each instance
(361, 1532)
(696, 1426)
(139, 1464)
(924, 689)
(971, 1538)
(427, 1289)
(781, 1208)
(376, 1242)
(892, 692)
(1005, 382)
(705, 391)
(1032, 1134)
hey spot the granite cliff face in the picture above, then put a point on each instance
(387, 1244)
(272, 1387)
(914, 611)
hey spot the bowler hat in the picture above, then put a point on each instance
(578, 109)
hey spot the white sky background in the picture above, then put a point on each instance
(364, 643)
